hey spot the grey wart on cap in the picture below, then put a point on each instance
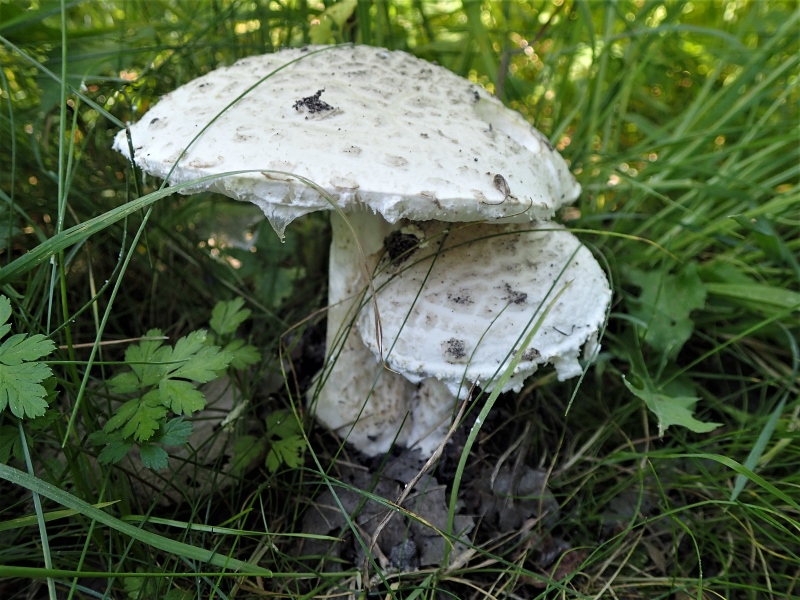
(391, 139)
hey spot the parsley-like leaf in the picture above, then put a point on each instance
(9, 441)
(227, 316)
(243, 355)
(246, 451)
(162, 372)
(138, 418)
(20, 373)
(196, 361)
(125, 383)
(20, 389)
(670, 410)
(164, 378)
(288, 450)
(153, 457)
(113, 452)
(175, 432)
(665, 304)
(225, 320)
(147, 359)
(22, 348)
(281, 423)
(181, 396)
(286, 440)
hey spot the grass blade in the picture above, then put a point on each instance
(154, 540)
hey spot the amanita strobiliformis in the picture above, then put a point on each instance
(399, 145)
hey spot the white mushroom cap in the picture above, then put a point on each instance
(460, 306)
(403, 136)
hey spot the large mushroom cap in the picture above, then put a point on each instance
(400, 135)
(461, 304)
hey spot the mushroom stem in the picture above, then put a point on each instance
(356, 396)
(348, 267)
(433, 409)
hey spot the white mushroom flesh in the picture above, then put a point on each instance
(460, 308)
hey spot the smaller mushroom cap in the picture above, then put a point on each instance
(460, 305)
(405, 137)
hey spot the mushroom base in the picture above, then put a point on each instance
(365, 403)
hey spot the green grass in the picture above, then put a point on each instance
(680, 119)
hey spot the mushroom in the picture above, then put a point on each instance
(484, 304)
(387, 140)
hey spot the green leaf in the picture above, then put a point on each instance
(273, 461)
(155, 364)
(174, 432)
(147, 359)
(665, 304)
(227, 316)
(20, 373)
(287, 443)
(20, 389)
(328, 26)
(188, 346)
(246, 451)
(196, 361)
(153, 457)
(145, 422)
(9, 436)
(670, 410)
(23, 348)
(114, 452)
(243, 355)
(122, 415)
(181, 396)
(281, 423)
(287, 450)
(205, 365)
(125, 383)
(162, 373)
(138, 418)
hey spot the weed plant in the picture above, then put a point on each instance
(680, 120)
